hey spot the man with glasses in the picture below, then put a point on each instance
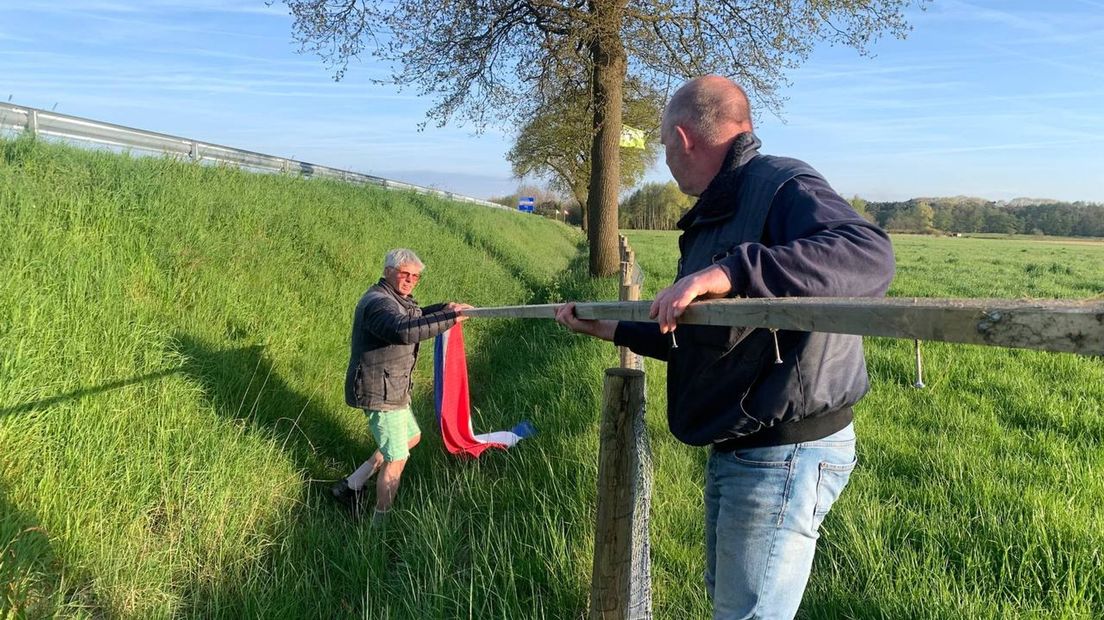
(388, 324)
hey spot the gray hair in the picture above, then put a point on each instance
(402, 256)
(707, 104)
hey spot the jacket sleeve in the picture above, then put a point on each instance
(385, 319)
(816, 246)
(643, 339)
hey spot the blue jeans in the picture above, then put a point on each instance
(763, 509)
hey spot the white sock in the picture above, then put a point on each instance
(357, 479)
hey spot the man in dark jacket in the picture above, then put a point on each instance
(388, 324)
(775, 407)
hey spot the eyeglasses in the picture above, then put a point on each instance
(406, 275)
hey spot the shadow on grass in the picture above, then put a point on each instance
(242, 385)
(33, 581)
(28, 570)
(87, 391)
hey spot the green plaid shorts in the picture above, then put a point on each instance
(393, 431)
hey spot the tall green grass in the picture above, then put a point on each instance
(173, 347)
(173, 341)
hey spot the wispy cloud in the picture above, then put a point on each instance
(1075, 66)
(11, 38)
(131, 25)
(151, 7)
(1051, 20)
(1008, 146)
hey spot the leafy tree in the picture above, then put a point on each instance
(916, 218)
(556, 143)
(1059, 220)
(1000, 221)
(962, 214)
(859, 205)
(538, 194)
(969, 218)
(655, 206)
(1092, 221)
(477, 57)
(944, 219)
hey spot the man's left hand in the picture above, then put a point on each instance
(672, 301)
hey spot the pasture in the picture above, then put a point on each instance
(173, 340)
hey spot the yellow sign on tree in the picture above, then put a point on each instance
(632, 138)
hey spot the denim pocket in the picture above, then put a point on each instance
(770, 456)
(830, 482)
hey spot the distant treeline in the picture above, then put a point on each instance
(976, 215)
(658, 206)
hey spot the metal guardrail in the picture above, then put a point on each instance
(74, 128)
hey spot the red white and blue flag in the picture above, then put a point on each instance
(450, 390)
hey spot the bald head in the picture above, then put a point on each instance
(713, 107)
(699, 126)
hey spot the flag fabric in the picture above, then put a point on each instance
(632, 138)
(450, 391)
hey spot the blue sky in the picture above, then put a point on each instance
(997, 99)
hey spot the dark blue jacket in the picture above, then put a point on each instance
(778, 230)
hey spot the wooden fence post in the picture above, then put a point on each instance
(631, 279)
(621, 579)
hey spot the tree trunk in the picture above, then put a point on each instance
(607, 80)
(580, 194)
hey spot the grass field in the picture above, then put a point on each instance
(173, 341)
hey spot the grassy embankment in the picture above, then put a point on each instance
(173, 342)
(172, 346)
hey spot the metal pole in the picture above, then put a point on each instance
(919, 368)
